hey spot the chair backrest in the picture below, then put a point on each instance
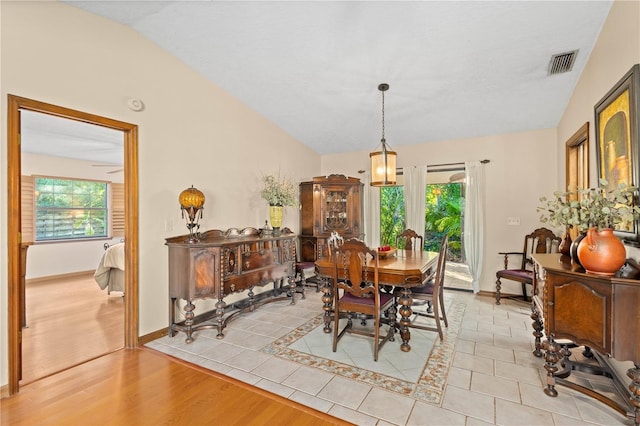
(442, 262)
(542, 240)
(350, 269)
(410, 239)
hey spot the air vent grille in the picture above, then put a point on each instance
(562, 62)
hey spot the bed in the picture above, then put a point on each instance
(110, 271)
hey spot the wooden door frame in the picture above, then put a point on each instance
(14, 237)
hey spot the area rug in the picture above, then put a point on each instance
(430, 383)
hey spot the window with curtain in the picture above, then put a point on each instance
(58, 209)
(443, 214)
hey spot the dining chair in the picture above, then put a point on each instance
(356, 291)
(304, 276)
(542, 240)
(433, 293)
(409, 240)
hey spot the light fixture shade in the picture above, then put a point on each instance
(383, 167)
(383, 162)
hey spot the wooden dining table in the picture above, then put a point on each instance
(404, 269)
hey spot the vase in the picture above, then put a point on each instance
(275, 216)
(565, 244)
(573, 249)
(601, 252)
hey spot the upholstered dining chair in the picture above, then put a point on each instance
(542, 240)
(433, 293)
(409, 240)
(303, 275)
(356, 291)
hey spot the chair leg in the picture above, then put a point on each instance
(436, 317)
(498, 286)
(444, 314)
(376, 344)
(336, 324)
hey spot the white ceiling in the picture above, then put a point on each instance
(456, 69)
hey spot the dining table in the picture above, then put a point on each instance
(401, 270)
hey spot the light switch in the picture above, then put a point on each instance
(168, 225)
(513, 221)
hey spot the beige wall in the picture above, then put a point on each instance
(615, 52)
(191, 131)
(522, 168)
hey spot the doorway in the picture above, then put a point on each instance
(16, 267)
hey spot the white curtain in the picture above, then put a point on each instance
(474, 221)
(415, 188)
(371, 204)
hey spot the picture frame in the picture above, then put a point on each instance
(617, 132)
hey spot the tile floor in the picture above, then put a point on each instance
(493, 377)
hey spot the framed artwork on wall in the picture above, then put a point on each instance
(617, 132)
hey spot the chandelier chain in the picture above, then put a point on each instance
(382, 115)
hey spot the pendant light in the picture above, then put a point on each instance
(383, 162)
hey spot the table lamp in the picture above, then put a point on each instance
(192, 202)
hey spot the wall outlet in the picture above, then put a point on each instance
(168, 225)
(513, 221)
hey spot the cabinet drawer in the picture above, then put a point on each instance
(252, 260)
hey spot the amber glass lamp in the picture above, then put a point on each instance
(192, 202)
(383, 162)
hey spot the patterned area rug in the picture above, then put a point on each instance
(429, 386)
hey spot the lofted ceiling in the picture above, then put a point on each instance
(456, 69)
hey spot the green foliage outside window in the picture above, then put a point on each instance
(392, 215)
(443, 214)
(70, 209)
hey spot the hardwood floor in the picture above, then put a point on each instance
(69, 321)
(145, 387)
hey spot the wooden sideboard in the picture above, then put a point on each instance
(224, 262)
(599, 312)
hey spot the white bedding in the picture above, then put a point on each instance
(110, 271)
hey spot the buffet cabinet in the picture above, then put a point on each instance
(221, 263)
(328, 204)
(601, 313)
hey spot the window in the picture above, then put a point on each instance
(443, 214)
(69, 209)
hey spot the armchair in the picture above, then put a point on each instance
(542, 240)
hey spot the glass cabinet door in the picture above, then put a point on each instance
(335, 208)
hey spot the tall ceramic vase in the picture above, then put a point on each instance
(601, 252)
(275, 216)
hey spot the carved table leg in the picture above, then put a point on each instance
(537, 330)
(405, 300)
(292, 289)
(634, 387)
(172, 316)
(587, 353)
(220, 305)
(327, 302)
(551, 357)
(252, 299)
(188, 320)
(498, 286)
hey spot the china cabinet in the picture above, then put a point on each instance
(328, 204)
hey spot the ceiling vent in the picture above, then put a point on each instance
(562, 62)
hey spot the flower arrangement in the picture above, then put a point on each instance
(591, 207)
(279, 191)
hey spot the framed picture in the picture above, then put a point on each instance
(617, 132)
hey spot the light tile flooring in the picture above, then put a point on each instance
(493, 378)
